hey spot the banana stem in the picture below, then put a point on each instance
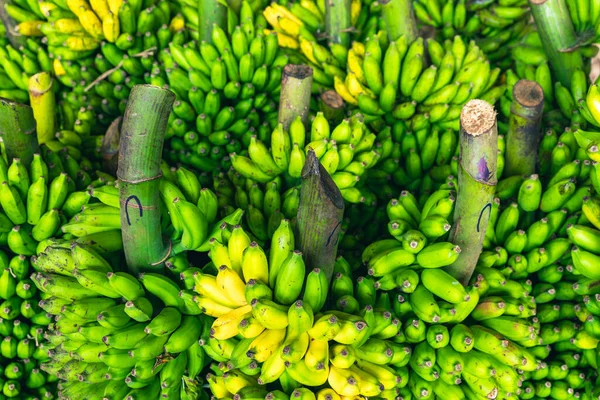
(476, 185)
(338, 22)
(524, 128)
(210, 12)
(41, 97)
(319, 218)
(399, 19)
(296, 85)
(17, 129)
(142, 136)
(558, 36)
(332, 106)
(110, 146)
(14, 37)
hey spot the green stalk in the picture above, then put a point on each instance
(399, 19)
(110, 146)
(296, 85)
(210, 12)
(476, 185)
(338, 22)
(320, 214)
(332, 106)
(142, 136)
(558, 36)
(524, 128)
(41, 97)
(17, 129)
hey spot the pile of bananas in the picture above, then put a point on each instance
(116, 335)
(495, 25)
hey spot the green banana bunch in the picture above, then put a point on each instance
(346, 152)
(585, 15)
(18, 65)
(495, 25)
(132, 347)
(391, 82)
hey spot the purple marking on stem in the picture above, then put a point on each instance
(483, 171)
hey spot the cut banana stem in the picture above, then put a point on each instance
(143, 131)
(524, 128)
(210, 12)
(332, 105)
(338, 22)
(296, 84)
(17, 128)
(476, 185)
(399, 19)
(558, 35)
(41, 96)
(320, 214)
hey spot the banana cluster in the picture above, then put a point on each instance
(188, 210)
(585, 15)
(272, 326)
(535, 263)
(588, 140)
(391, 81)
(22, 332)
(495, 25)
(18, 65)
(108, 338)
(264, 205)
(299, 24)
(74, 29)
(346, 152)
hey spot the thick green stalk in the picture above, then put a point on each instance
(320, 214)
(332, 106)
(558, 36)
(142, 135)
(399, 19)
(476, 185)
(41, 97)
(210, 12)
(338, 22)
(296, 85)
(524, 128)
(17, 129)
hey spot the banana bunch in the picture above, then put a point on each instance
(538, 281)
(189, 212)
(22, 332)
(585, 15)
(495, 25)
(37, 201)
(391, 82)
(272, 326)
(299, 24)
(108, 338)
(18, 65)
(75, 29)
(104, 79)
(588, 140)
(227, 91)
(346, 152)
